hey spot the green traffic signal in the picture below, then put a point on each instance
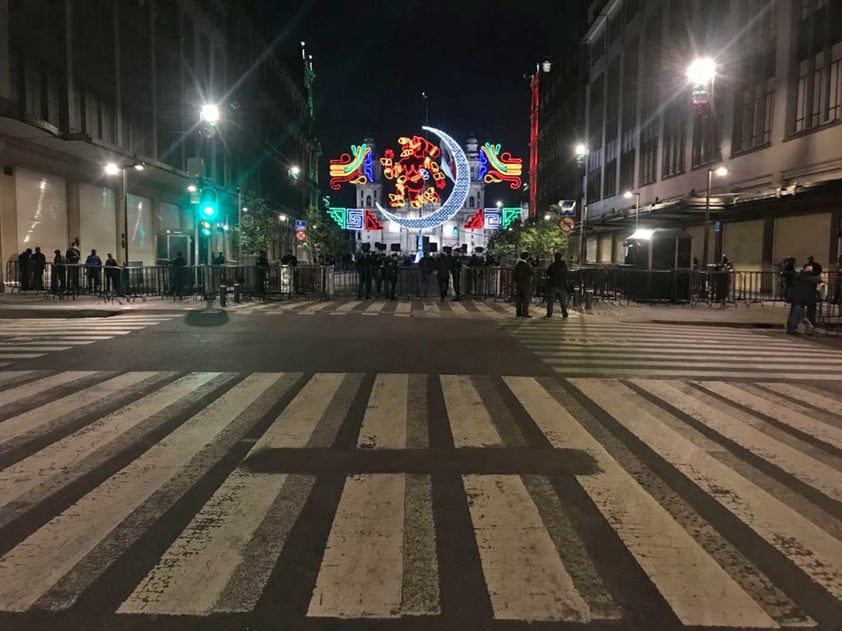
(209, 202)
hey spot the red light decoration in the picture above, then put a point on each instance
(476, 222)
(496, 167)
(371, 221)
(533, 146)
(415, 172)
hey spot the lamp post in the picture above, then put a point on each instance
(721, 172)
(113, 169)
(581, 153)
(629, 195)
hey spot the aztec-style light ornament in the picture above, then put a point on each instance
(492, 218)
(356, 219)
(412, 171)
(457, 197)
(358, 169)
(496, 167)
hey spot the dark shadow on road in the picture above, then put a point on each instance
(206, 318)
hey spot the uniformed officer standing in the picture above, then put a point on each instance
(364, 263)
(523, 285)
(443, 273)
(390, 270)
(456, 274)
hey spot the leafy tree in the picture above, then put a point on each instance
(538, 237)
(325, 238)
(263, 233)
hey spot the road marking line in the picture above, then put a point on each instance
(45, 384)
(458, 307)
(21, 355)
(797, 420)
(361, 573)
(525, 577)
(715, 363)
(348, 306)
(815, 552)
(376, 306)
(826, 403)
(810, 471)
(713, 374)
(697, 588)
(193, 572)
(30, 569)
(385, 423)
(633, 352)
(470, 421)
(297, 421)
(431, 309)
(403, 308)
(30, 346)
(58, 460)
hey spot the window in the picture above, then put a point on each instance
(650, 100)
(705, 139)
(368, 201)
(471, 201)
(598, 48)
(628, 120)
(613, 28)
(630, 9)
(611, 128)
(595, 131)
(675, 139)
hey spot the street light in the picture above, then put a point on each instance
(581, 152)
(282, 217)
(629, 195)
(720, 172)
(701, 70)
(192, 188)
(209, 113)
(499, 204)
(547, 216)
(113, 168)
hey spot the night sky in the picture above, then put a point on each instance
(374, 59)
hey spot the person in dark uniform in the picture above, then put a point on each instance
(377, 261)
(443, 274)
(426, 264)
(556, 286)
(178, 275)
(802, 295)
(58, 273)
(93, 268)
(456, 274)
(364, 272)
(523, 285)
(38, 263)
(390, 271)
(817, 268)
(24, 272)
(262, 266)
(112, 273)
(72, 258)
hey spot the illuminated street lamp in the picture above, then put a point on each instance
(111, 169)
(629, 195)
(499, 204)
(282, 217)
(547, 216)
(192, 188)
(701, 70)
(720, 172)
(580, 151)
(209, 113)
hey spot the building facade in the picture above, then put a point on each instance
(83, 84)
(771, 117)
(451, 234)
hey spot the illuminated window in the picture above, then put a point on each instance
(471, 202)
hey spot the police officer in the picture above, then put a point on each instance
(443, 274)
(557, 285)
(523, 285)
(456, 274)
(364, 263)
(390, 271)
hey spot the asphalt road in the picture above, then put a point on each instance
(330, 470)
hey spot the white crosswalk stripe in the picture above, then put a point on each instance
(32, 338)
(419, 308)
(333, 487)
(620, 349)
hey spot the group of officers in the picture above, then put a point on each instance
(66, 270)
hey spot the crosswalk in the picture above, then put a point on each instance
(281, 498)
(421, 308)
(644, 349)
(30, 338)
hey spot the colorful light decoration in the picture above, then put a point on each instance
(358, 169)
(356, 219)
(492, 218)
(496, 167)
(412, 171)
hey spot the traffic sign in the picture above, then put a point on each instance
(300, 224)
(567, 207)
(566, 224)
(247, 221)
(301, 236)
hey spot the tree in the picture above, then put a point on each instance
(263, 233)
(325, 238)
(538, 237)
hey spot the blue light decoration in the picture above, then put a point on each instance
(354, 218)
(492, 219)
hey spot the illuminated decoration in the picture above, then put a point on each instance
(496, 167)
(492, 218)
(457, 197)
(533, 143)
(701, 99)
(358, 169)
(412, 172)
(355, 219)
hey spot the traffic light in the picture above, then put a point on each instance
(206, 228)
(208, 203)
(456, 230)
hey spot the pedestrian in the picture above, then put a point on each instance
(817, 269)
(837, 292)
(523, 285)
(24, 271)
(426, 267)
(787, 275)
(71, 259)
(556, 285)
(262, 266)
(93, 267)
(111, 273)
(456, 274)
(38, 263)
(390, 271)
(723, 287)
(364, 264)
(802, 295)
(377, 272)
(58, 275)
(443, 274)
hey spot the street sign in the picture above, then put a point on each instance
(567, 207)
(300, 224)
(301, 236)
(247, 221)
(566, 224)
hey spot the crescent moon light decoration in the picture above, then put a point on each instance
(456, 200)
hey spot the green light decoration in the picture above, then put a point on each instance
(509, 215)
(338, 215)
